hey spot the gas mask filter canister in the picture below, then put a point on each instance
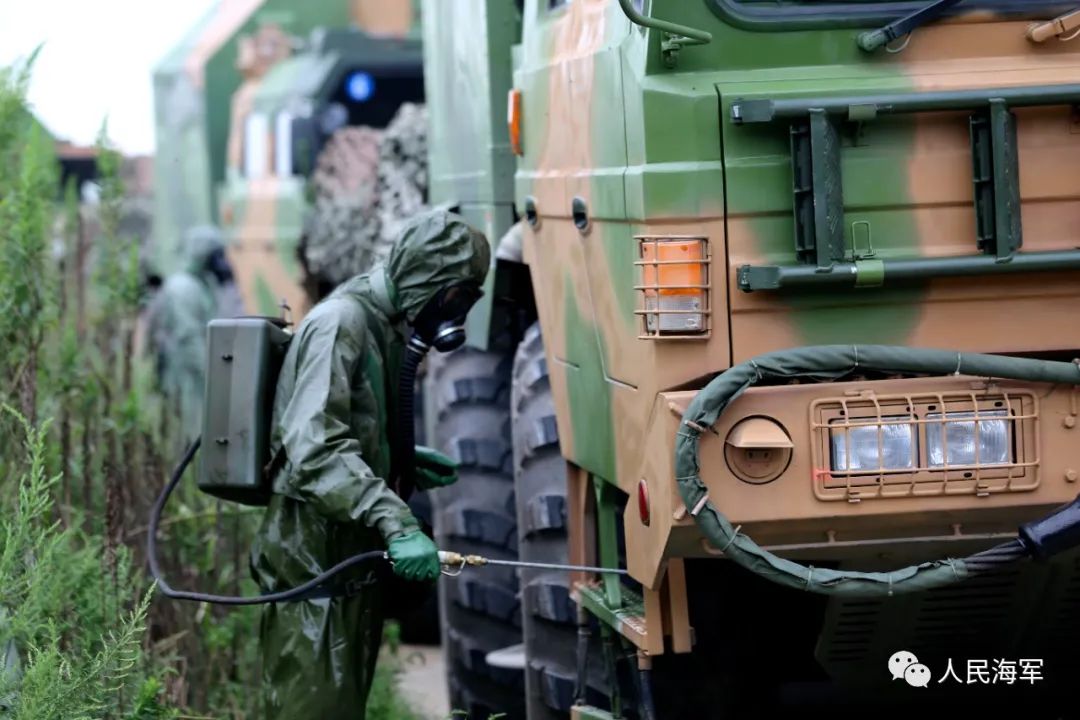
(441, 323)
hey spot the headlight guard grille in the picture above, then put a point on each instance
(925, 473)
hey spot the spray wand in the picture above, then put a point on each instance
(453, 560)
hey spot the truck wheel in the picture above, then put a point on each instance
(468, 394)
(549, 615)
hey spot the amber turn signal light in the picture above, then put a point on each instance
(513, 120)
(674, 285)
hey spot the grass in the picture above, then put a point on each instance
(385, 702)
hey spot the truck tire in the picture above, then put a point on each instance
(469, 398)
(549, 615)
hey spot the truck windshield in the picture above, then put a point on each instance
(802, 14)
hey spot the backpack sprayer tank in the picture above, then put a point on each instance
(244, 358)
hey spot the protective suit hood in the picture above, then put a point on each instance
(200, 243)
(435, 250)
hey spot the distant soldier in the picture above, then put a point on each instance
(188, 300)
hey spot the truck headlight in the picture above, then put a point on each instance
(956, 441)
(888, 446)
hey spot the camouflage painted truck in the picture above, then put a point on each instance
(230, 96)
(745, 226)
(193, 87)
(305, 166)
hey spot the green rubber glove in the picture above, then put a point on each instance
(414, 556)
(433, 469)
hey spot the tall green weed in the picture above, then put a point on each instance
(72, 652)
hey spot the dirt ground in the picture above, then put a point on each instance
(423, 681)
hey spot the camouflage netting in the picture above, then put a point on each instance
(342, 225)
(403, 174)
(366, 184)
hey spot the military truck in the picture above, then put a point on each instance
(229, 99)
(726, 208)
(304, 158)
(194, 84)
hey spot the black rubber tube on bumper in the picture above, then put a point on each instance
(647, 707)
(830, 362)
(1055, 533)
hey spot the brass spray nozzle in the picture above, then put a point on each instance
(453, 559)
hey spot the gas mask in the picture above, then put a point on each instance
(441, 323)
(218, 265)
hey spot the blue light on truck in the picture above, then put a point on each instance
(360, 86)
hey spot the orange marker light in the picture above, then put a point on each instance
(669, 275)
(674, 280)
(513, 120)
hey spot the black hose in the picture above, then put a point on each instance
(997, 556)
(405, 454)
(582, 656)
(646, 705)
(301, 592)
(611, 660)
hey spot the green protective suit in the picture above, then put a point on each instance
(177, 329)
(334, 423)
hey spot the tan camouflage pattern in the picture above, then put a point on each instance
(383, 17)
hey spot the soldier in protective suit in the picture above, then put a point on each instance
(178, 315)
(342, 435)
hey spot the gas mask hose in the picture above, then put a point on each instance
(219, 267)
(312, 587)
(415, 351)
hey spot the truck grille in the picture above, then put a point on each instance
(1026, 610)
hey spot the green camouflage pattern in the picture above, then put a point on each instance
(629, 131)
(467, 73)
